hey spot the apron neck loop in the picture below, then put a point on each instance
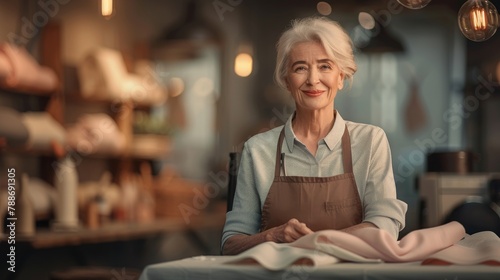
(346, 152)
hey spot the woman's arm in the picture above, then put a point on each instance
(286, 233)
(359, 226)
(381, 206)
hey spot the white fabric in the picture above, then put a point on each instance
(43, 129)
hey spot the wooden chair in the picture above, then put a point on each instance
(233, 172)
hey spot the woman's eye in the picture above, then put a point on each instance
(300, 69)
(325, 67)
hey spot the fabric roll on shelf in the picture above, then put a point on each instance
(103, 76)
(43, 129)
(20, 72)
(5, 66)
(12, 128)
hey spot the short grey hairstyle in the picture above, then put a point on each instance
(329, 33)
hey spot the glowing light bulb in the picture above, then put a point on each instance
(366, 20)
(478, 20)
(414, 4)
(106, 8)
(324, 8)
(243, 65)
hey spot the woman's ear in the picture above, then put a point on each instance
(341, 81)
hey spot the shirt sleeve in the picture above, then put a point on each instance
(244, 218)
(381, 207)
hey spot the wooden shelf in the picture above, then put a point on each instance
(76, 97)
(120, 231)
(25, 92)
(149, 146)
(159, 149)
(26, 152)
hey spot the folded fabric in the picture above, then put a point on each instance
(5, 66)
(374, 243)
(96, 133)
(103, 75)
(43, 129)
(479, 248)
(12, 127)
(274, 256)
(21, 72)
(414, 246)
(443, 244)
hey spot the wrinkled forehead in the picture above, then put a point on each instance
(309, 50)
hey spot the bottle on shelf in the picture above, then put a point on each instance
(66, 183)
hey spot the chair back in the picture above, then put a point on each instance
(233, 172)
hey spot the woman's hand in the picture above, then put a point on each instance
(288, 232)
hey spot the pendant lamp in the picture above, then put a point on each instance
(185, 38)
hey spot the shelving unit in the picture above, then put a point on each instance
(50, 53)
(58, 104)
(121, 165)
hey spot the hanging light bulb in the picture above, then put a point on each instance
(243, 63)
(324, 8)
(414, 4)
(106, 8)
(478, 20)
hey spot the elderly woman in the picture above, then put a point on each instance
(318, 171)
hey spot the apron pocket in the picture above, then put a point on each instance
(332, 207)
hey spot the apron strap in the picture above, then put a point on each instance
(346, 152)
(278, 154)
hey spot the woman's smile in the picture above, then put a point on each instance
(313, 93)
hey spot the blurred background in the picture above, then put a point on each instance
(118, 117)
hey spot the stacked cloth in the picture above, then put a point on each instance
(441, 245)
(20, 71)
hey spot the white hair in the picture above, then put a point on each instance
(330, 34)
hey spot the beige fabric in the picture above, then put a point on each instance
(442, 245)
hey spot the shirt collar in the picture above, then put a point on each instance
(331, 139)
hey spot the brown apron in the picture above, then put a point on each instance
(319, 202)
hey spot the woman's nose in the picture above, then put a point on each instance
(313, 77)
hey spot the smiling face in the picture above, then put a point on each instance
(313, 78)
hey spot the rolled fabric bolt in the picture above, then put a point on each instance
(102, 74)
(5, 66)
(26, 74)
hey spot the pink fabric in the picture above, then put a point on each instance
(479, 248)
(96, 133)
(5, 66)
(20, 71)
(441, 245)
(373, 243)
